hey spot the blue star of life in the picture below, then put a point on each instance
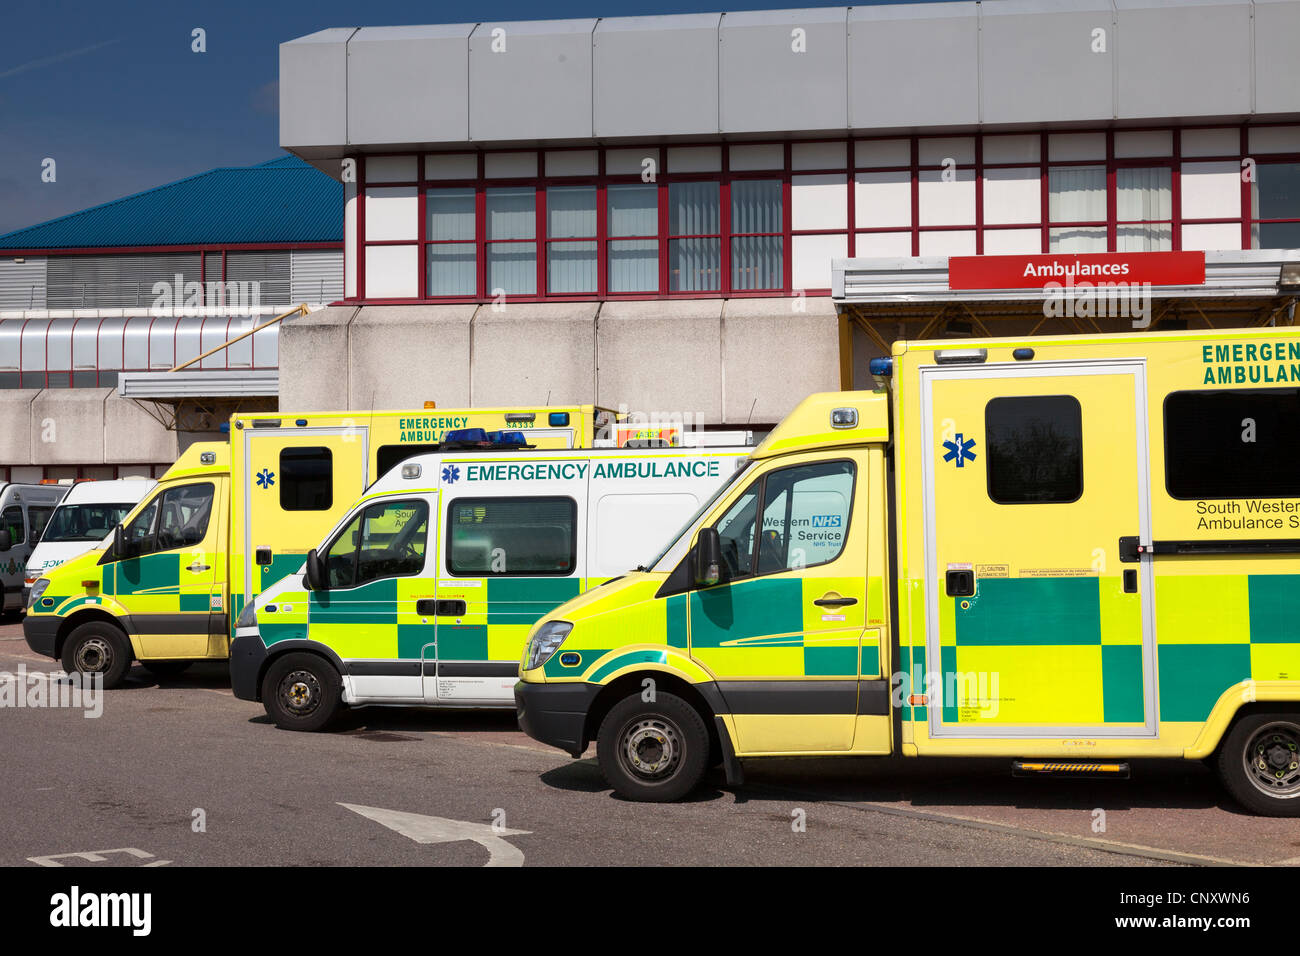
(960, 450)
(450, 473)
(265, 478)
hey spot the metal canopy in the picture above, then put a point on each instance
(891, 299)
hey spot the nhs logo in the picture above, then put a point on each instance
(826, 521)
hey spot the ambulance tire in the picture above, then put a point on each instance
(1259, 763)
(165, 668)
(98, 647)
(669, 740)
(302, 692)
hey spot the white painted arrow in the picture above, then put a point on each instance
(426, 829)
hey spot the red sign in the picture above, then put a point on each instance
(1067, 269)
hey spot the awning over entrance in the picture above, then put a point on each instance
(935, 297)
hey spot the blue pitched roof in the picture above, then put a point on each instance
(283, 200)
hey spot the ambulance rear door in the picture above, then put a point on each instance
(296, 483)
(1032, 474)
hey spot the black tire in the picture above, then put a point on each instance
(1259, 763)
(667, 738)
(165, 668)
(98, 647)
(302, 692)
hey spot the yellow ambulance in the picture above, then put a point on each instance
(231, 517)
(1068, 552)
(424, 592)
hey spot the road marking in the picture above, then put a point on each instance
(96, 856)
(426, 829)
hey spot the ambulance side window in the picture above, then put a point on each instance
(1035, 449)
(805, 520)
(39, 516)
(1233, 443)
(498, 537)
(386, 540)
(306, 479)
(175, 518)
(390, 455)
(12, 520)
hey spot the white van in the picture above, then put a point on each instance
(426, 591)
(24, 511)
(85, 517)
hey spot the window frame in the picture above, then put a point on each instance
(1164, 425)
(356, 549)
(911, 169)
(157, 521)
(284, 482)
(761, 506)
(480, 575)
(988, 467)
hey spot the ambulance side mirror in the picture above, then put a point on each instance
(317, 579)
(6, 539)
(708, 558)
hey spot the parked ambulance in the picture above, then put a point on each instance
(1067, 552)
(424, 592)
(24, 511)
(87, 515)
(230, 518)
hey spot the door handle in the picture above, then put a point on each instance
(196, 567)
(835, 602)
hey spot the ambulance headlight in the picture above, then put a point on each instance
(248, 616)
(37, 590)
(546, 642)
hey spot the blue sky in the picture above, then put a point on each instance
(115, 96)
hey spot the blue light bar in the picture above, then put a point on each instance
(884, 367)
(558, 419)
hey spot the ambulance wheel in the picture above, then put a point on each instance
(1259, 763)
(165, 668)
(653, 752)
(97, 647)
(302, 692)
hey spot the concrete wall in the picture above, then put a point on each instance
(732, 362)
(79, 426)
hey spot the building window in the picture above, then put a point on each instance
(451, 254)
(501, 537)
(769, 217)
(570, 216)
(756, 239)
(1239, 443)
(1276, 204)
(1035, 449)
(694, 237)
(1076, 195)
(1144, 209)
(511, 233)
(632, 213)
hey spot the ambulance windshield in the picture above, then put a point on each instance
(690, 522)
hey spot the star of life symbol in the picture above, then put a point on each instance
(960, 450)
(265, 478)
(450, 473)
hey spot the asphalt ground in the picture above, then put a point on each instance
(179, 772)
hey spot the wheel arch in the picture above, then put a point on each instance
(86, 615)
(1240, 700)
(702, 697)
(299, 645)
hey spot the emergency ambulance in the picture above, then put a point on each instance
(1068, 552)
(86, 516)
(24, 511)
(230, 518)
(424, 592)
